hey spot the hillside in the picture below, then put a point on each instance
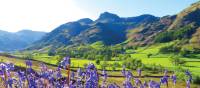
(183, 26)
(18, 40)
(108, 28)
(141, 30)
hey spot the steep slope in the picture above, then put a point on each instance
(190, 15)
(19, 40)
(61, 35)
(144, 34)
(108, 28)
(107, 33)
(184, 27)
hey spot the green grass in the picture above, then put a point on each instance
(119, 81)
(81, 62)
(46, 58)
(21, 62)
(193, 64)
(163, 59)
(141, 53)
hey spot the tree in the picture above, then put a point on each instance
(176, 60)
(170, 49)
(104, 65)
(28, 56)
(113, 67)
(97, 61)
(184, 52)
(131, 63)
(149, 55)
(181, 33)
(164, 37)
(52, 52)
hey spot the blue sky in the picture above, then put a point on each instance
(126, 8)
(45, 15)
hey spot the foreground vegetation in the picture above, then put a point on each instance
(152, 59)
(113, 76)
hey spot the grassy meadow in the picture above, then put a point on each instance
(141, 53)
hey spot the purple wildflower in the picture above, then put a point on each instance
(139, 71)
(129, 75)
(188, 84)
(187, 73)
(173, 77)
(28, 63)
(79, 72)
(66, 61)
(153, 84)
(124, 71)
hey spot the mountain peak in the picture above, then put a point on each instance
(85, 21)
(108, 17)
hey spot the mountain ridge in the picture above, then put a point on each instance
(108, 28)
(10, 41)
(111, 29)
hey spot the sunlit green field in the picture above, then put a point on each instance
(193, 64)
(117, 80)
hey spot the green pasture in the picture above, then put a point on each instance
(156, 58)
(163, 59)
(117, 80)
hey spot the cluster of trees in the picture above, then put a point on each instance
(90, 53)
(154, 68)
(177, 61)
(182, 33)
(170, 49)
(133, 64)
(184, 51)
(113, 66)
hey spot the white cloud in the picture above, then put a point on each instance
(41, 15)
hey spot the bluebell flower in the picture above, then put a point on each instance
(28, 63)
(66, 61)
(173, 77)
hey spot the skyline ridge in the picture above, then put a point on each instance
(23, 14)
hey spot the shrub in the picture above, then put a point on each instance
(184, 53)
(177, 61)
(196, 79)
(113, 67)
(153, 67)
(170, 49)
(179, 69)
(104, 65)
(116, 64)
(164, 37)
(133, 64)
(52, 52)
(97, 61)
(149, 55)
(181, 76)
(28, 56)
